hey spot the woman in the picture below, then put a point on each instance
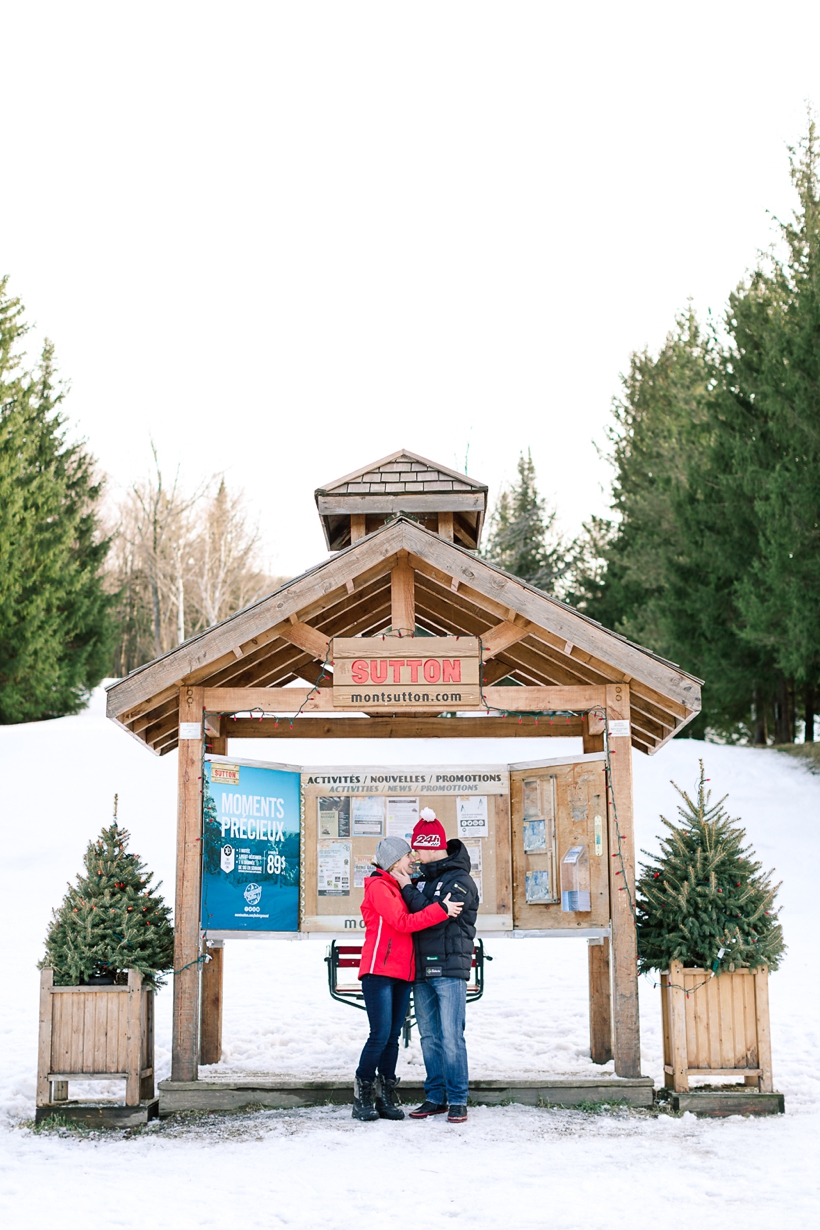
(387, 969)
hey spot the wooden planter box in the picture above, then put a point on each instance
(95, 1033)
(720, 1029)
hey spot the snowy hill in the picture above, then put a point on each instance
(59, 779)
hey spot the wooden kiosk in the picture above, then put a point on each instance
(505, 660)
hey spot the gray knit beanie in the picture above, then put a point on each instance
(389, 851)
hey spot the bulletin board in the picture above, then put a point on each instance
(346, 812)
(560, 850)
(251, 819)
(288, 848)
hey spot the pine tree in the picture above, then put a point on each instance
(111, 920)
(664, 570)
(768, 421)
(523, 538)
(703, 901)
(55, 627)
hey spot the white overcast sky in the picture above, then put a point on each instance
(284, 240)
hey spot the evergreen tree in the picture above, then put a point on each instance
(767, 422)
(55, 627)
(111, 920)
(655, 429)
(523, 538)
(703, 901)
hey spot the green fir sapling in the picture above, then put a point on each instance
(703, 900)
(111, 920)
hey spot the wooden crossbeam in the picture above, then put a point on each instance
(288, 700)
(404, 728)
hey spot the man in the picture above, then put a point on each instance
(444, 957)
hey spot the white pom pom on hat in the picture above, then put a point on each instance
(427, 813)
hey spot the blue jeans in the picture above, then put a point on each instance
(386, 1000)
(441, 1009)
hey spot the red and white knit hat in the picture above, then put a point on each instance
(428, 833)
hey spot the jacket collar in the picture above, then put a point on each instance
(457, 856)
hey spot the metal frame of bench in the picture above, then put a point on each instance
(348, 956)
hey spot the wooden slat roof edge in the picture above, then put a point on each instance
(398, 533)
(329, 488)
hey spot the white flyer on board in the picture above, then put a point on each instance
(402, 817)
(368, 815)
(472, 816)
(333, 869)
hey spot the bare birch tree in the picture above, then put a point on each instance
(180, 563)
(223, 559)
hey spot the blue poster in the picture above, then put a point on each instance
(250, 855)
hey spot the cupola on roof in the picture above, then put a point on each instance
(442, 500)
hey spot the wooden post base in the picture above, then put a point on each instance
(600, 1001)
(210, 1035)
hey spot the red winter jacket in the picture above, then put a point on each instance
(389, 927)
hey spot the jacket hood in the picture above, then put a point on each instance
(456, 858)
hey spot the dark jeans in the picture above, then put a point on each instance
(386, 1000)
(441, 1005)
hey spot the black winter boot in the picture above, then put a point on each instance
(363, 1106)
(388, 1104)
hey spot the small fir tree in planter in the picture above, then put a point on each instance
(703, 901)
(111, 920)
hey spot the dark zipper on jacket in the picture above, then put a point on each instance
(387, 954)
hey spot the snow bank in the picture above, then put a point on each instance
(314, 1167)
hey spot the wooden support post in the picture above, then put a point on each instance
(358, 526)
(44, 1038)
(210, 1046)
(403, 597)
(624, 953)
(600, 1002)
(445, 525)
(133, 1039)
(218, 744)
(184, 1043)
(59, 1091)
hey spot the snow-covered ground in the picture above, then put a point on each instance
(507, 1165)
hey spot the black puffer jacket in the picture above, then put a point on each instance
(446, 950)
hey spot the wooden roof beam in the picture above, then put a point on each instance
(307, 638)
(402, 596)
(501, 637)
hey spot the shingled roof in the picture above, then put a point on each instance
(402, 482)
(399, 472)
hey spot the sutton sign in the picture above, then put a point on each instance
(406, 672)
